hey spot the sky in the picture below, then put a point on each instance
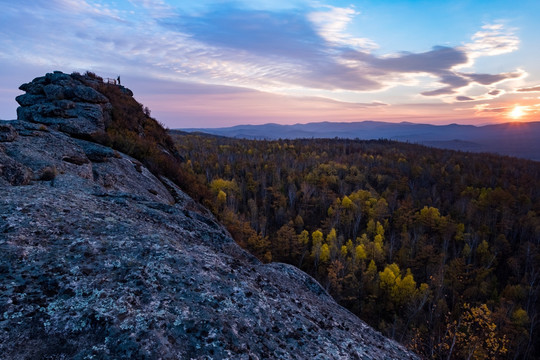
(215, 63)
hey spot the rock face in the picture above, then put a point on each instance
(102, 260)
(64, 103)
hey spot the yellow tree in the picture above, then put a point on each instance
(325, 253)
(317, 239)
(331, 240)
(303, 243)
(474, 335)
(360, 253)
(221, 199)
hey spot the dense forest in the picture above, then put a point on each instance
(437, 249)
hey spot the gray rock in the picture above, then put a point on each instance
(49, 149)
(113, 172)
(95, 152)
(124, 174)
(64, 103)
(54, 92)
(40, 112)
(12, 171)
(87, 94)
(35, 87)
(58, 77)
(7, 133)
(29, 99)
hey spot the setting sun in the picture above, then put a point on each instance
(517, 112)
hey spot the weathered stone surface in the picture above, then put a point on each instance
(65, 103)
(41, 149)
(87, 94)
(54, 92)
(7, 133)
(96, 152)
(29, 99)
(100, 259)
(35, 87)
(12, 171)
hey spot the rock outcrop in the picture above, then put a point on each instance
(100, 259)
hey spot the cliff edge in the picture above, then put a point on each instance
(102, 259)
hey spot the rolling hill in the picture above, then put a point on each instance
(513, 139)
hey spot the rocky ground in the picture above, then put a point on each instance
(102, 260)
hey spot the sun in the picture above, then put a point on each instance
(517, 112)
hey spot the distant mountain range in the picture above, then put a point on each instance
(514, 139)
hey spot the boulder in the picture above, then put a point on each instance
(64, 103)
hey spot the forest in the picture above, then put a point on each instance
(437, 249)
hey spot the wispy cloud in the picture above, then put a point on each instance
(493, 39)
(489, 95)
(530, 89)
(488, 108)
(331, 24)
(283, 49)
(261, 49)
(279, 47)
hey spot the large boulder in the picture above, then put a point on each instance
(65, 103)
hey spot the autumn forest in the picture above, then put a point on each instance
(437, 249)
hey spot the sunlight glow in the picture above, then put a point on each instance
(517, 112)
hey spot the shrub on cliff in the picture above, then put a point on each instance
(133, 132)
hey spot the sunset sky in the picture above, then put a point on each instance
(211, 63)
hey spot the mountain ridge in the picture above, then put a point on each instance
(513, 139)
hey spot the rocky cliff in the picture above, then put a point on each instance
(101, 259)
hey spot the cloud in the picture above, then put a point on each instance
(493, 39)
(266, 33)
(282, 46)
(492, 94)
(447, 90)
(377, 103)
(440, 62)
(287, 48)
(530, 89)
(278, 49)
(490, 79)
(487, 108)
(331, 25)
(437, 61)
